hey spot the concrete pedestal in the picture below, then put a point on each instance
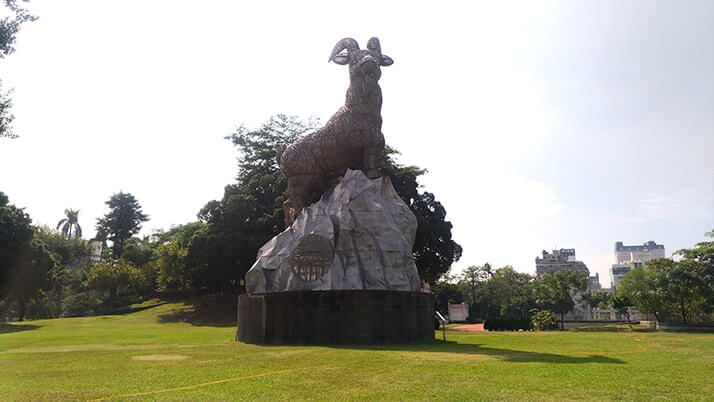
(336, 317)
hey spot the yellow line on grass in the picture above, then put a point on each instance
(204, 384)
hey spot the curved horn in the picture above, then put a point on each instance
(374, 46)
(346, 43)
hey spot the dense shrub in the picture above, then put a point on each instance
(544, 320)
(508, 324)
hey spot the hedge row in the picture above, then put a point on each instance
(508, 324)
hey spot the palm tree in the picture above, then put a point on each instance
(69, 223)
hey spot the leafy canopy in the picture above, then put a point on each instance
(9, 27)
(69, 223)
(123, 220)
(555, 289)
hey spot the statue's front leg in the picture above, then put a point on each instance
(371, 161)
(289, 213)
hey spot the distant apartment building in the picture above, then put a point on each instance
(640, 253)
(559, 260)
(95, 253)
(618, 271)
(594, 282)
(630, 257)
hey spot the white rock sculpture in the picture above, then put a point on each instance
(359, 235)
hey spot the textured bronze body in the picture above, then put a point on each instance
(351, 139)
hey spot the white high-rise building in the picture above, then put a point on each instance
(629, 257)
(645, 252)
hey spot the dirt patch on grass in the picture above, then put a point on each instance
(159, 357)
(80, 348)
(468, 328)
(445, 356)
(285, 353)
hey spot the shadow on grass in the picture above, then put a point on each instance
(209, 311)
(510, 355)
(129, 310)
(10, 328)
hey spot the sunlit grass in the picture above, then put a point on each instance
(163, 352)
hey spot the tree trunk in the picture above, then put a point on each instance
(562, 321)
(21, 311)
(683, 309)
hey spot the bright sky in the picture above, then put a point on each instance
(568, 124)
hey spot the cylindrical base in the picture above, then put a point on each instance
(336, 317)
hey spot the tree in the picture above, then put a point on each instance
(9, 27)
(25, 262)
(138, 251)
(500, 293)
(173, 270)
(639, 286)
(171, 265)
(251, 211)
(700, 259)
(117, 281)
(15, 235)
(6, 116)
(513, 292)
(69, 223)
(30, 275)
(444, 293)
(123, 220)
(72, 257)
(621, 303)
(599, 300)
(554, 290)
(471, 277)
(679, 283)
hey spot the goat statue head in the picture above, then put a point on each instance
(364, 63)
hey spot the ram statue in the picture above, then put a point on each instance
(351, 139)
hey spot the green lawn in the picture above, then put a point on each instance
(164, 352)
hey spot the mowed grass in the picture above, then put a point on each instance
(166, 352)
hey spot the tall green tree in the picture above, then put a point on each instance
(25, 262)
(639, 286)
(138, 251)
(123, 220)
(497, 293)
(31, 275)
(15, 235)
(680, 283)
(73, 257)
(513, 292)
(700, 259)
(69, 223)
(556, 288)
(470, 280)
(9, 27)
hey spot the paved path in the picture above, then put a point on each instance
(469, 328)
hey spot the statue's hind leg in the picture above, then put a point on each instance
(302, 191)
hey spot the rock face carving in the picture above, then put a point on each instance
(358, 236)
(351, 139)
